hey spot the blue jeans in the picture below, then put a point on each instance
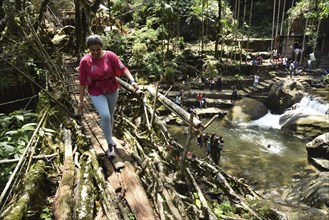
(105, 106)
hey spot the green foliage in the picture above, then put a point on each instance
(131, 216)
(197, 200)
(171, 72)
(137, 51)
(119, 7)
(149, 36)
(119, 44)
(46, 214)
(238, 76)
(314, 13)
(225, 208)
(263, 207)
(15, 132)
(34, 69)
(324, 9)
(178, 42)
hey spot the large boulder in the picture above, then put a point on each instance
(246, 110)
(307, 126)
(284, 94)
(313, 191)
(318, 151)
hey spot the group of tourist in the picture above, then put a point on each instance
(292, 65)
(213, 144)
(213, 83)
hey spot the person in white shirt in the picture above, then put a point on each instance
(256, 81)
(296, 51)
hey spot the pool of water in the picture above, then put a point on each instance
(247, 155)
(258, 151)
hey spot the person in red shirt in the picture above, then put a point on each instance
(97, 72)
(199, 98)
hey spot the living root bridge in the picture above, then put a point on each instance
(153, 183)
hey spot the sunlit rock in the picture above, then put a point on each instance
(318, 151)
(246, 110)
(284, 94)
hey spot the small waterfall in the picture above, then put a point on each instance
(309, 105)
(267, 121)
(313, 104)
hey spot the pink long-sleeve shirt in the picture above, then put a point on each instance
(98, 74)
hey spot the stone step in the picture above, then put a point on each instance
(224, 94)
(264, 84)
(219, 103)
(209, 112)
(270, 81)
(248, 90)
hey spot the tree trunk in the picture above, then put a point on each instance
(209, 212)
(219, 27)
(84, 13)
(43, 9)
(288, 31)
(282, 19)
(277, 21)
(187, 146)
(63, 204)
(273, 24)
(202, 27)
(249, 24)
(86, 192)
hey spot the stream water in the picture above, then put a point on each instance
(247, 154)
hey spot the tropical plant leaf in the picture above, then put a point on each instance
(21, 151)
(8, 148)
(29, 127)
(49, 131)
(11, 132)
(19, 117)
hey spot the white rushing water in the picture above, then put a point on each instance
(307, 106)
(263, 141)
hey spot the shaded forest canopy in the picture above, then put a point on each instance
(152, 37)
